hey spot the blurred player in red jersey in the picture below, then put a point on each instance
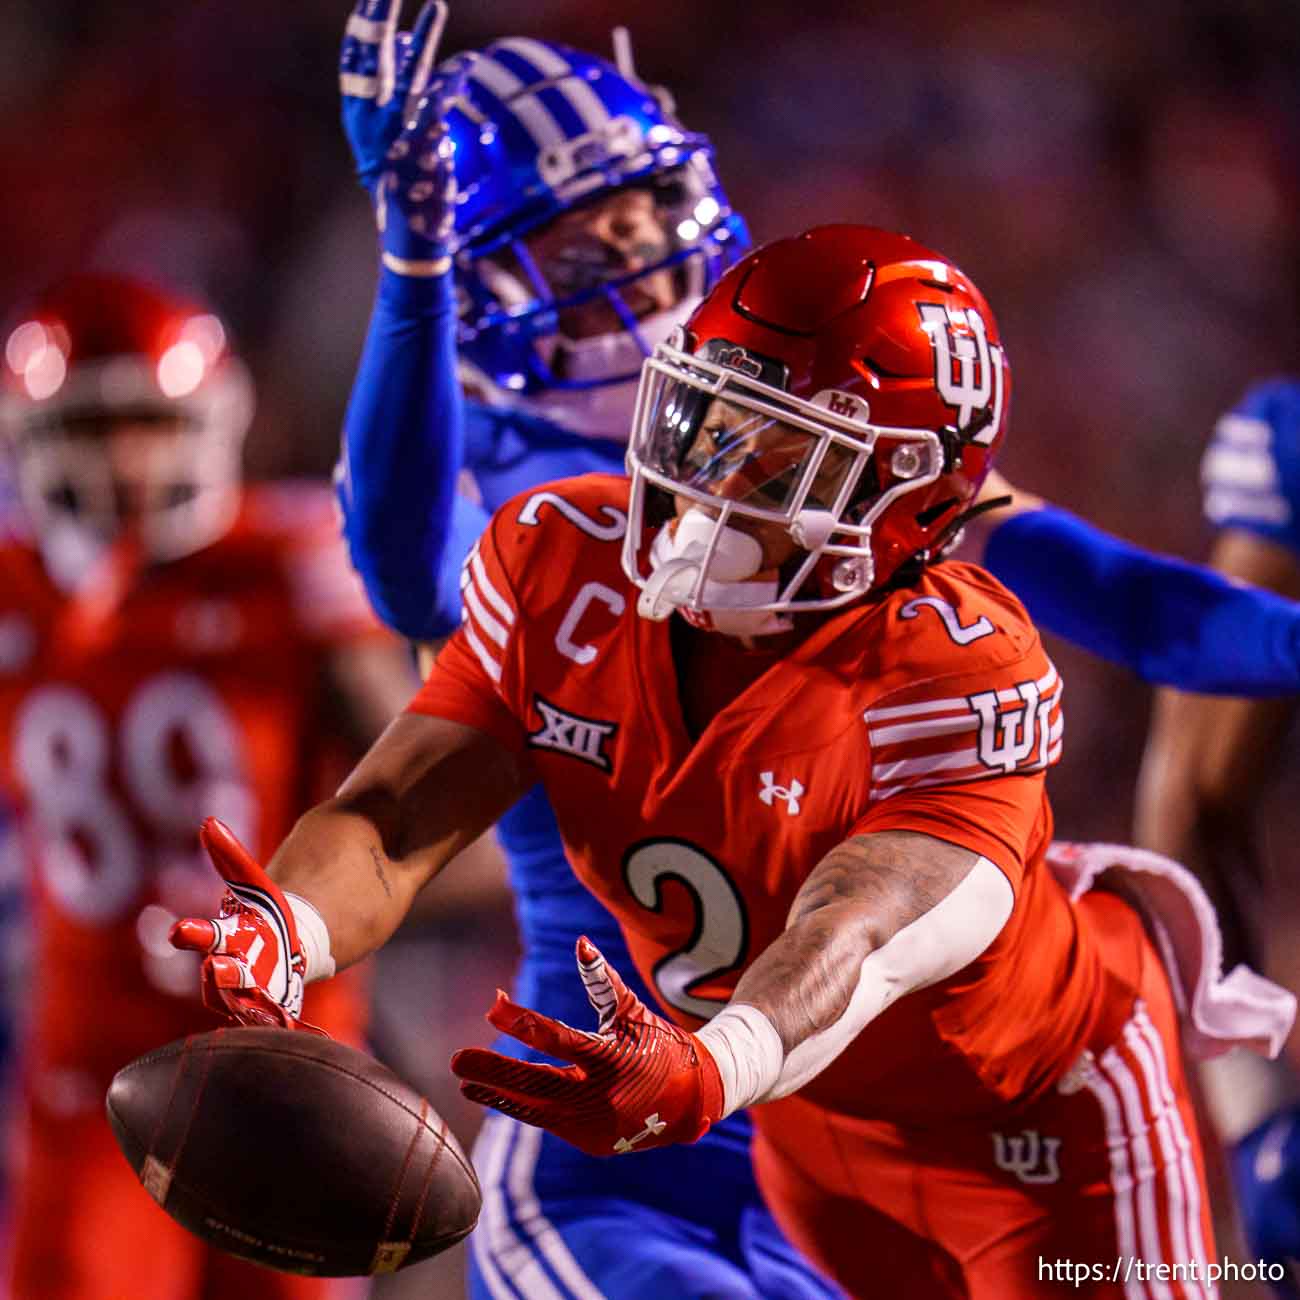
(170, 642)
(803, 763)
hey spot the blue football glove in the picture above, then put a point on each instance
(394, 116)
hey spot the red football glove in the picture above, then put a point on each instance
(257, 978)
(639, 1082)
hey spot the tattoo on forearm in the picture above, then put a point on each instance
(856, 899)
(378, 859)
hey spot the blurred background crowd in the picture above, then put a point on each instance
(1119, 178)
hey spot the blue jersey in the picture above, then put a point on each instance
(1251, 469)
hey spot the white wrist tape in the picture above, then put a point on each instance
(313, 936)
(748, 1052)
(747, 1048)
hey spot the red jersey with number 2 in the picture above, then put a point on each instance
(932, 709)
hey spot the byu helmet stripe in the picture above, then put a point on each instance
(584, 100)
(530, 110)
(520, 141)
(548, 62)
(548, 92)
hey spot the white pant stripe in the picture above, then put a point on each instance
(1186, 1163)
(497, 1247)
(1144, 1165)
(511, 1259)
(528, 1211)
(1121, 1177)
(1175, 1175)
(485, 1160)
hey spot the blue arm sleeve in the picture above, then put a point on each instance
(467, 524)
(1172, 623)
(403, 443)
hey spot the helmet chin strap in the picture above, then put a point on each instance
(678, 555)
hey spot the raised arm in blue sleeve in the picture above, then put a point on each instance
(402, 450)
(403, 435)
(1172, 623)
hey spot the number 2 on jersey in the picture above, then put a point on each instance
(720, 935)
(609, 531)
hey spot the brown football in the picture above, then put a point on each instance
(294, 1151)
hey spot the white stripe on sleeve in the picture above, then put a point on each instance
(489, 592)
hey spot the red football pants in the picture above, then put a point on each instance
(1097, 1189)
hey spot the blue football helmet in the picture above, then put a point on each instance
(541, 131)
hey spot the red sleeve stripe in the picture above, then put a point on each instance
(474, 607)
(964, 721)
(944, 741)
(490, 665)
(906, 771)
(957, 704)
(489, 593)
(486, 615)
(937, 717)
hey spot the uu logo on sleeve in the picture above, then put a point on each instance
(1009, 738)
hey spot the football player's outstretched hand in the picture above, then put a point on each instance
(638, 1082)
(255, 968)
(394, 110)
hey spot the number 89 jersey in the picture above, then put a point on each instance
(131, 710)
(933, 709)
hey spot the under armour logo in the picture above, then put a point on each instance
(967, 368)
(653, 1127)
(572, 734)
(1028, 1155)
(790, 793)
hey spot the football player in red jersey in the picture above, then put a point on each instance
(815, 801)
(170, 641)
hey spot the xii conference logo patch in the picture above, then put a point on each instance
(572, 734)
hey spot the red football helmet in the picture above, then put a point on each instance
(124, 411)
(848, 387)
